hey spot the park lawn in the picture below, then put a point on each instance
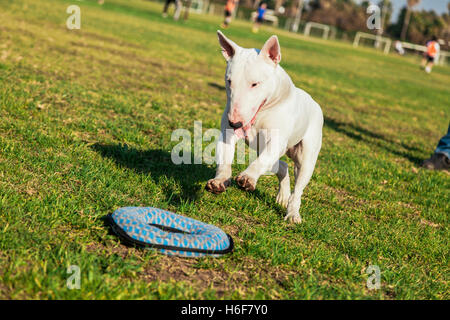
(86, 118)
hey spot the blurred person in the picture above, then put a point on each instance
(433, 49)
(399, 48)
(229, 8)
(260, 17)
(440, 160)
(177, 8)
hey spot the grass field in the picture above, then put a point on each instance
(86, 118)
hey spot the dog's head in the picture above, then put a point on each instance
(250, 80)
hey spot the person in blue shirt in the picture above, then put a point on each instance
(260, 17)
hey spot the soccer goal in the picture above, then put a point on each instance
(269, 16)
(327, 31)
(377, 40)
(198, 6)
(443, 58)
(188, 6)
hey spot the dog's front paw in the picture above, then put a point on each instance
(217, 186)
(293, 217)
(283, 198)
(246, 182)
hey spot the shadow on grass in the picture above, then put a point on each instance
(158, 164)
(217, 86)
(360, 134)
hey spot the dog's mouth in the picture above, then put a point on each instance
(242, 132)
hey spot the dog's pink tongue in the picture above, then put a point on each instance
(240, 133)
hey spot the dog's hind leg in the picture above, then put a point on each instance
(304, 155)
(282, 171)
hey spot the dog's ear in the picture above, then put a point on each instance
(228, 47)
(271, 50)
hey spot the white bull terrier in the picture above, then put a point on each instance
(261, 97)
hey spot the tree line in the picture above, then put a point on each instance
(416, 26)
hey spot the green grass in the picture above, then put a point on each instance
(85, 123)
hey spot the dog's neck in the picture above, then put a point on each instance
(283, 89)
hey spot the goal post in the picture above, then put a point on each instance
(443, 58)
(198, 6)
(328, 31)
(378, 39)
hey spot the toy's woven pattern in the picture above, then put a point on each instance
(137, 222)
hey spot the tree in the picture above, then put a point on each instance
(410, 5)
(298, 16)
(422, 26)
(278, 4)
(343, 14)
(386, 13)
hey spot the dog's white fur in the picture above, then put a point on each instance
(261, 95)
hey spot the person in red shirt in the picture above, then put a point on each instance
(431, 54)
(229, 8)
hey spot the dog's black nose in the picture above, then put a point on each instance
(236, 125)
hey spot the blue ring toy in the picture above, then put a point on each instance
(170, 233)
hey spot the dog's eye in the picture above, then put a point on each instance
(254, 84)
